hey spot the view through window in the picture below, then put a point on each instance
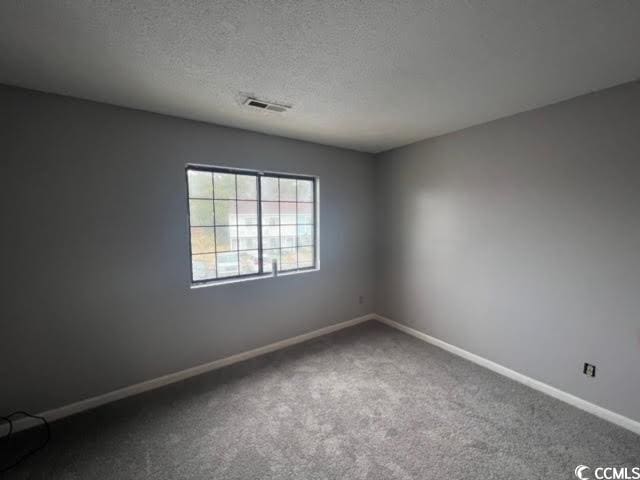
(241, 221)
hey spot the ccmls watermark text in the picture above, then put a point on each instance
(584, 472)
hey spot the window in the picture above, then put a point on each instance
(242, 223)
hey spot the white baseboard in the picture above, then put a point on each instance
(578, 402)
(93, 402)
(131, 390)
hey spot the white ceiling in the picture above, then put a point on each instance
(362, 74)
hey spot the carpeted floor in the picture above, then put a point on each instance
(367, 402)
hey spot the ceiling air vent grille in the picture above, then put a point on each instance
(264, 105)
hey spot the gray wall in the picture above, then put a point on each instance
(519, 240)
(95, 249)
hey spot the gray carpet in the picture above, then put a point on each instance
(368, 402)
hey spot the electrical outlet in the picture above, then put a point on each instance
(589, 370)
(360, 299)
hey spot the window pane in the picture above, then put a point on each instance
(204, 266)
(248, 262)
(305, 213)
(224, 185)
(225, 212)
(269, 187)
(270, 213)
(305, 235)
(247, 187)
(270, 237)
(200, 184)
(225, 222)
(201, 213)
(287, 190)
(288, 259)
(305, 257)
(267, 259)
(226, 239)
(202, 240)
(247, 213)
(227, 264)
(247, 238)
(305, 191)
(287, 213)
(288, 236)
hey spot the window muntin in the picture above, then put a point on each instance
(241, 221)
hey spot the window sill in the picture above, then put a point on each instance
(215, 283)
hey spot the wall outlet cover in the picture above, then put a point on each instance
(589, 370)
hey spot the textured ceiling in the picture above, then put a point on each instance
(368, 75)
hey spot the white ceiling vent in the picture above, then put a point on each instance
(264, 105)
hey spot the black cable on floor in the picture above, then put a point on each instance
(7, 437)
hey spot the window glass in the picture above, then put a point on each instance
(224, 185)
(241, 222)
(200, 184)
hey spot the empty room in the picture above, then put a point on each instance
(304, 239)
